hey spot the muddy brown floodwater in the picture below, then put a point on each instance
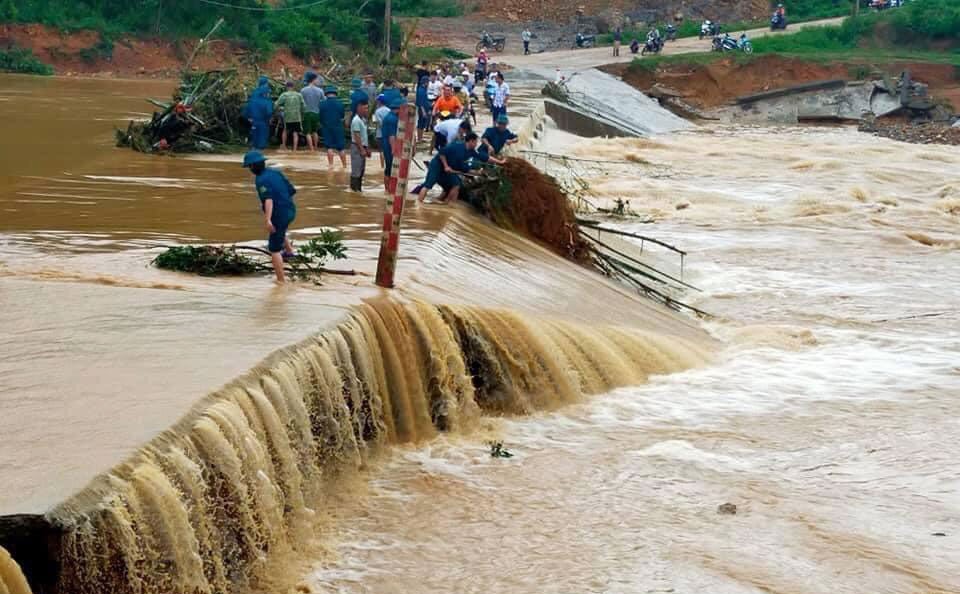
(821, 406)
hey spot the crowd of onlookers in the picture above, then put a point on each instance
(311, 114)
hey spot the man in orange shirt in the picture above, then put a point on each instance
(448, 102)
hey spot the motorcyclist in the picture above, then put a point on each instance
(654, 40)
(781, 11)
(744, 41)
(671, 31)
(706, 28)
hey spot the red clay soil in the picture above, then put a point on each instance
(539, 209)
(73, 54)
(718, 83)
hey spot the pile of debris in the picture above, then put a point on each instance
(518, 196)
(916, 133)
(204, 115)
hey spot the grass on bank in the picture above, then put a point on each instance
(22, 61)
(854, 56)
(799, 11)
(922, 31)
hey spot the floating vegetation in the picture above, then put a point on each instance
(240, 260)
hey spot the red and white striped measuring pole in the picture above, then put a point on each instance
(396, 195)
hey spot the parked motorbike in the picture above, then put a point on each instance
(727, 43)
(584, 41)
(491, 42)
(652, 46)
(778, 21)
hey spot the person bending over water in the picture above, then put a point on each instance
(449, 164)
(279, 210)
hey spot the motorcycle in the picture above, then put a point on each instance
(634, 46)
(584, 41)
(671, 33)
(653, 46)
(709, 29)
(726, 43)
(778, 21)
(490, 42)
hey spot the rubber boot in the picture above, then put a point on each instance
(356, 184)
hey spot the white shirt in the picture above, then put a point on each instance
(501, 94)
(378, 115)
(448, 80)
(449, 128)
(434, 89)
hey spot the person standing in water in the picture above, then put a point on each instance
(258, 112)
(359, 147)
(391, 123)
(279, 210)
(312, 97)
(331, 124)
(292, 105)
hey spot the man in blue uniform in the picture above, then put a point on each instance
(331, 124)
(357, 96)
(276, 200)
(445, 168)
(390, 125)
(258, 111)
(497, 137)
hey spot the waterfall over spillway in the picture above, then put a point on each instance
(208, 504)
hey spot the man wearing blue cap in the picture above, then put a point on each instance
(357, 96)
(391, 124)
(276, 200)
(331, 123)
(446, 167)
(499, 136)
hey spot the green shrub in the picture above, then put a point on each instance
(22, 61)
(923, 20)
(313, 29)
(800, 10)
(914, 26)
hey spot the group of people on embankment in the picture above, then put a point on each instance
(311, 114)
(445, 105)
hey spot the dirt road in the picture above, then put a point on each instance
(574, 60)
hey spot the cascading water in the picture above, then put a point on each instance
(206, 505)
(11, 578)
